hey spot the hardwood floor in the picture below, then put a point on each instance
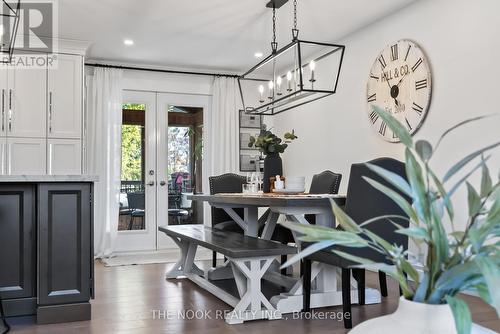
(127, 296)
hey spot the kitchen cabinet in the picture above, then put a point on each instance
(64, 156)
(25, 102)
(41, 118)
(3, 101)
(46, 247)
(3, 156)
(26, 156)
(64, 219)
(17, 241)
(65, 84)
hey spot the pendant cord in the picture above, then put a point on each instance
(274, 44)
(295, 30)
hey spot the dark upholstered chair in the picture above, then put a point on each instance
(363, 202)
(326, 182)
(225, 183)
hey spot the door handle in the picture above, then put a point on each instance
(50, 112)
(151, 183)
(163, 183)
(3, 110)
(10, 110)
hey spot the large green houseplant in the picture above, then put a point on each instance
(460, 260)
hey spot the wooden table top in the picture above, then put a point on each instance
(270, 200)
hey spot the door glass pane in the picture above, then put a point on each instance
(185, 156)
(132, 197)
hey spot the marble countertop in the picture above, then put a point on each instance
(48, 178)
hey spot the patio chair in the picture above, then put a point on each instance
(136, 204)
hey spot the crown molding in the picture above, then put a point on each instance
(62, 45)
(73, 46)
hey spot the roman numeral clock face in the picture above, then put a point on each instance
(400, 83)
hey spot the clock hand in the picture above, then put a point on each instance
(400, 80)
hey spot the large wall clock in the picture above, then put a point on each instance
(400, 83)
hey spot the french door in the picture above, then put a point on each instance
(137, 219)
(152, 185)
(178, 105)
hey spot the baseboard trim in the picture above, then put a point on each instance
(63, 313)
(19, 307)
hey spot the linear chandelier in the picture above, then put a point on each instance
(8, 28)
(298, 73)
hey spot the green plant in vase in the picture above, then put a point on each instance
(269, 143)
(271, 146)
(460, 260)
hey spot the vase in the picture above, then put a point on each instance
(272, 166)
(415, 318)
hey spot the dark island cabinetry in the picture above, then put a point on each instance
(46, 253)
(18, 246)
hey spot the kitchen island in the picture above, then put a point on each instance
(46, 246)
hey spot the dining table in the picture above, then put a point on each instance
(325, 279)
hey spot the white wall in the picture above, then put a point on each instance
(461, 40)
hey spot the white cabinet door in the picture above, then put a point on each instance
(26, 102)
(65, 98)
(26, 156)
(3, 100)
(64, 156)
(3, 156)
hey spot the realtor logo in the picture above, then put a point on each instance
(32, 28)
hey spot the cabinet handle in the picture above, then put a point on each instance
(10, 110)
(151, 183)
(50, 112)
(3, 110)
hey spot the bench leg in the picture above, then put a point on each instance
(186, 262)
(253, 304)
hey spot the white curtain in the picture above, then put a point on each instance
(220, 151)
(104, 98)
(222, 132)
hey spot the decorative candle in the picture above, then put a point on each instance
(271, 87)
(261, 91)
(312, 67)
(278, 83)
(300, 77)
(289, 78)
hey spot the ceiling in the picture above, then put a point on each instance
(220, 35)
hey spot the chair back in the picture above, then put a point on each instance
(136, 201)
(326, 182)
(365, 202)
(225, 183)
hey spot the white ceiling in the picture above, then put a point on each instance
(206, 34)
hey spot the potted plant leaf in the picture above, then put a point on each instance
(460, 260)
(271, 146)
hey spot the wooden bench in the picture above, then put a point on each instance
(249, 258)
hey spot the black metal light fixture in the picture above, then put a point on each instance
(299, 73)
(8, 28)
